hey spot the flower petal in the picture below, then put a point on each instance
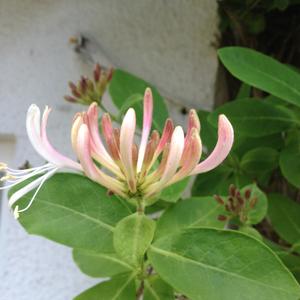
(221, 150)
(147, 121)
(126, 144)
(175, 153)
(89, 167)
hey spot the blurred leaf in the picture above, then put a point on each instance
(284, 215)
(173, 192)
(124, 86)
(97, 264)
(254, 118)
(191, 212)
(212, 182)
(121, 287)
(244, 91)
(263, 72)
(73, 210)
(260, 160)
(244, 144)
(208, 133)
(290, 161)
(251, 231)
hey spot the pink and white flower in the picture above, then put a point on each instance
(114, 160)
(131, 171)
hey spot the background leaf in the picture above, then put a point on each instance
(254, 118)
(290, 161)
(284, 215)
(205, 263)
(263, 72)
(124, 85)
(260, 160)
(73, 210)
(132, 237)
(97, 264)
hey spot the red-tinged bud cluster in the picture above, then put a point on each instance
(237, 204)
(87, 91)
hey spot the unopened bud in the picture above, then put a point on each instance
(222, 218)
(247, 194)
(219, 199)
(232, 190)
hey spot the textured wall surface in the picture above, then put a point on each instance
(168, 43)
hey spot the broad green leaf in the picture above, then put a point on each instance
(73, 210)
(259, 211)
(284, 216)
(173, 192)
(129, 102)
(121, 287)
(260, 160)
(192, 212)
(205, 263)
(290, 162)
(124, 85)
(132, 237)
(156, 289)
(97, 264)
(263, 72)
(291, 260)
(254, 118)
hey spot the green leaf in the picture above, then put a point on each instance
(263, 72)
(284, 215)
(209, 134)
(260, 210)
(120, 287)
(124, 85)
(244, 91)
(97, 264)
(132, 237)
(213, 182)
(129, 102)
(254, 118)
(289, 161)
(192, 212)
(157, 289)
(173, 192)
(72, 210)
(244, 143)
(251, 231)
(205, 263)
(260, 160)
(291, 261)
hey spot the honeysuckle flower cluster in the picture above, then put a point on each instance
(114, 160)
(87, 91)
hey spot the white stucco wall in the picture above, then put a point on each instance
(165, 42)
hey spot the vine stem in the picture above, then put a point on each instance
(140, 291)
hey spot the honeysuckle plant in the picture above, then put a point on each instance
(119, 205)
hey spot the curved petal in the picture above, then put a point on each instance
(56, 157)
(147, 121)
(172, 164)
(221, 150)
(91, 170)
(126, 145)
